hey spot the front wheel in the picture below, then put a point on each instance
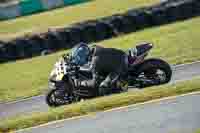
(153, 72)
(55, 98)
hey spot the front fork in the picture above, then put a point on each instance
(61, 91)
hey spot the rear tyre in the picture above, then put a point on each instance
(154, 72)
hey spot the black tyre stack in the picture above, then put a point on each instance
(88, 32)
(103, 30)
(140, 17)
(98, 30)
(39, 44)
(2, 51)
(9, 50)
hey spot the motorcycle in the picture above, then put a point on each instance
(65, 86)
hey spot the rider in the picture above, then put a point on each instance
(110, 62)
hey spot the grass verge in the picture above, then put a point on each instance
(176, 43)
(99, 104)
(68, 15)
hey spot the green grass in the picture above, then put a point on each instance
(66, 16)
(99, 104)
(176, 43)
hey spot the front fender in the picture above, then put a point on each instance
(51, 85)
(55, 82)
(66, 84)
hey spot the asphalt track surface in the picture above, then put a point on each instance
(37, 104)
(170, 115)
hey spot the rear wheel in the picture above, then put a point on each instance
(153, 72)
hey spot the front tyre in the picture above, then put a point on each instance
(154, 72)
(56, 97)
(50, 100)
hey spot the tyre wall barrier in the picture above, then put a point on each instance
(98, 30)
(9, 51)
(103, 30)
(140, 18)
(2, 52)
(88, 32)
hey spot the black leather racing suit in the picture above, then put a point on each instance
(110, 63)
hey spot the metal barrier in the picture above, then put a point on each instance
(27, 7)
